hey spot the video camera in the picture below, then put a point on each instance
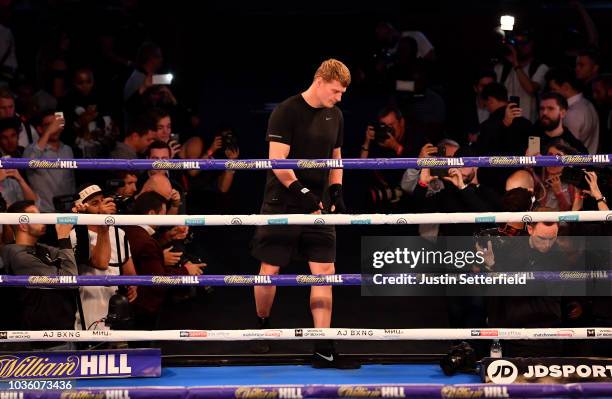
(460, 358)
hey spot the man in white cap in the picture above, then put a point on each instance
(107, 254)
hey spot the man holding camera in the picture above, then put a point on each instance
(41, 308)
(305, 126)
(385, 138)
(150, 259)
(49, 183)
(101, 251)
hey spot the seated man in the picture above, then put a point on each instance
(42, 308)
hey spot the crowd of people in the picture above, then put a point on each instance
(519, 105)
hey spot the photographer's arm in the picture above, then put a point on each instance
(227, 177)
(527, 84)
(101, 252)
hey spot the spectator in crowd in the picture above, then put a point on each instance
(385, 138)
(148, 61)
(411, 177)
(556, 194)
(149, 260)
(42, 308)
(551, 126)
(468, 115)
(9, 139)
(588, 63)
(537, 252)
(27, 133)
(522, 74)
(100, 251)
(602, 95)
(127, 186)
(581, 117)
(49, 183)
(163, 122)
(505, 132)
(140, 134)
(14, 188)
(8, 62)
(87, 116)
(461, 192)
(54, 85)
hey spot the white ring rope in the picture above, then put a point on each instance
(309, 219)
(366, 334)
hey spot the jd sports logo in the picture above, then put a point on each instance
(502, 372)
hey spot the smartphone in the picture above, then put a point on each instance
(164, 79)
(533, 145)
(174, 137)
(404, 85)
(59, 115)
(440, 154)
(516, 100)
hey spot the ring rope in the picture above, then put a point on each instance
(346, 163)
(272, 280)
(304, 219)
(582, 390)
(295, 334)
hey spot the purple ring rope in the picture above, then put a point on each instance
(337, 391)
(263, 164)
(252, 280)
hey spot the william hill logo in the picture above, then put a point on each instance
(512, 161)
(73, 366)
(248, 165)
(167, 164)
(44, 280)
(175, 280)
(308, 279)
(431, 162)
(579, 159)
(309, 164)
(43, 164)
(247, 280)
(371, 392)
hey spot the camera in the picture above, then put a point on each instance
(229, 140)
(381, 131)
(122, 203)
(381, 193)
(64, 203)
(460, 358)
(440, 173)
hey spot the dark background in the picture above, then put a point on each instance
(231, 58)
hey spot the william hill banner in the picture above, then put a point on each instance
(81, 364)
(548, 370)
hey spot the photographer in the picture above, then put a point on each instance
(42, 308)
(521, 73)
(49, 183)
(537, 252)
(209, 189)
(100, 251)
(385, 138)
(149, 259)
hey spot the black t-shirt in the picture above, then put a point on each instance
(567, 136)
(312, 133)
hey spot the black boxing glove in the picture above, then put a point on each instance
(336, 199)
(307, 200)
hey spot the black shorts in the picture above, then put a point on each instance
(278, 244)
